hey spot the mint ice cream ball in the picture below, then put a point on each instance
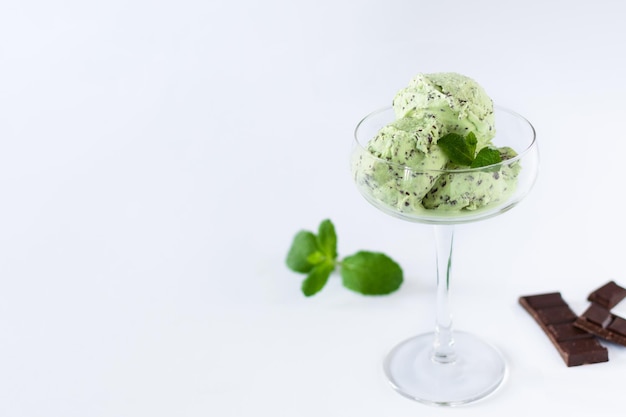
(458, 102)
(475, 189)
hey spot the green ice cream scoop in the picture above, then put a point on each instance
(408, 141)
(474, 189)
(456, 100)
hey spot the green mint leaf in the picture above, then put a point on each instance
(327, 239)
(472, 142)
(316, 257)
(317, 278)
(371, 273)
(485, 157)
(304, 245)
(456, 148)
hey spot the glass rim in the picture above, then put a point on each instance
(520, 154)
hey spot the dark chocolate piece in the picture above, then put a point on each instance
(584, 351)
(598, 315)
(618, 325)
(601, 322)
(567, 331)
(556, 319)
(556, 315)
(552, 299)
(608, 295)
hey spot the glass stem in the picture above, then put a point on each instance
(443, 349)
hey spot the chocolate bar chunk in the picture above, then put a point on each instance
(601, 322)
(598, 315)
(567, 331)
(556, 319)
(618, 326)
(608, 295)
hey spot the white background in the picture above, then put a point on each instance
(157, 157)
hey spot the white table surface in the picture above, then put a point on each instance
(157, 157)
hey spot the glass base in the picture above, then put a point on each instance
(477, 371)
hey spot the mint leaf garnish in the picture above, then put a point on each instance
(304, 245)
(317, 278)
(472, 142)
(462, 151)
(371, 273)
(315, 258)
(327, 238)
(368, 273)
(456, 148)
(485, 157)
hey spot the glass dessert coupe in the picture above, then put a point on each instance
(445, 367)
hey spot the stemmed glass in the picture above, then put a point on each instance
(445, 367)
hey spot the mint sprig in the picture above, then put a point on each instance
(365, 272)
(462, 151)
(485, 157)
